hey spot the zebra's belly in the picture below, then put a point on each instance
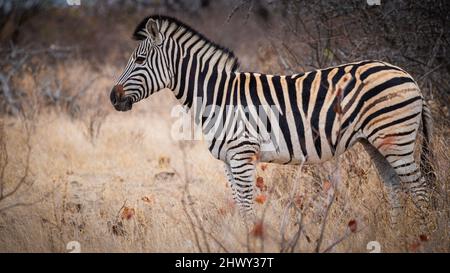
(280, 152)
(284, 157)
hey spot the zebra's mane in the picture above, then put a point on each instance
(137, 35)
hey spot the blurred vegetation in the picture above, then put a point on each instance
(297, 35)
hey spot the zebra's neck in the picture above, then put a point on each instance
(203, 76)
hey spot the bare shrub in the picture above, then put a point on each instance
(19, 182)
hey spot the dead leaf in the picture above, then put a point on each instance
(147, 199)
(117, 228)
(326, 185)
(260, 184)
(223, 211)
(414, 246)
(298, 199)
(307, 238)
(128, 213)
(163, 162)
(353, 225)
(164, 175)
(258, 230)
(254, 158)
(261, 199)
(423, 238)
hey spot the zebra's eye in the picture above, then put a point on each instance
(140, 60)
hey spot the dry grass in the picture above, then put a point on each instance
(117, 182)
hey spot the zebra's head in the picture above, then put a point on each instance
(147, 70)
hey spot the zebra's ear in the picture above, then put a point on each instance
(148, 28)
(153, 32)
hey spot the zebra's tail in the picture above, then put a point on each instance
(426, 157)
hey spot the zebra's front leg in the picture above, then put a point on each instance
(242, 168)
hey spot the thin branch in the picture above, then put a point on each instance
(324, 222)
(24, 177)
(346, 235)
(236, 8)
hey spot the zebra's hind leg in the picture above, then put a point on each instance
(416, 186)
(391, 181)
(242, 166)
(406, 170)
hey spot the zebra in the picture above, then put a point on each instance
(313, 116)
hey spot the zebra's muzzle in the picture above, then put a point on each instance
(119, 100)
